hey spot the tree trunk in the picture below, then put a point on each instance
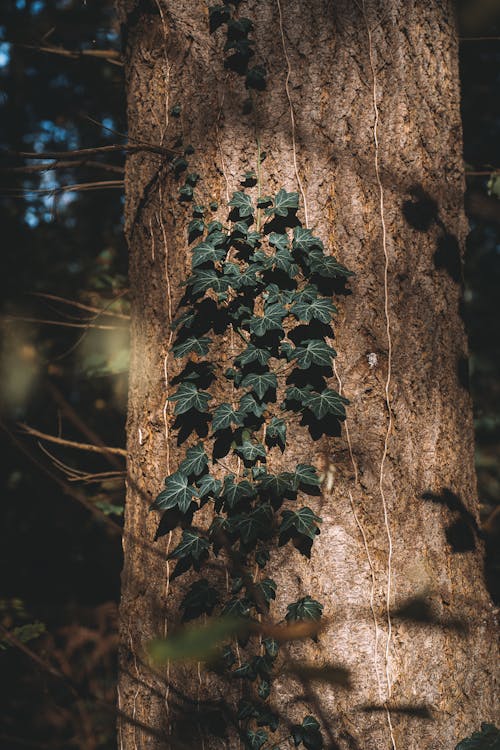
(361, 117)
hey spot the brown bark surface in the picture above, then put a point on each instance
(391, 209)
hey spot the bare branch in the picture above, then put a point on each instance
(62, 323)
(58, 164)
(78, 187)
(70, 443)
(109, 55)
(81, 306)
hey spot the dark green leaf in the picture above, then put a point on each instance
(306, 476)
(271, 320)
(218, 14)
(264, 689)
(283, 202)
(186, 192)
(260, 382)
(319, 309)
(294, 393)
(313, 352)
(266, 589)
(326, 265)
(276, 431)
(326, 402)
(204, 279)
(195, 228)
(189, 397)
(235, 492)
(256, 78)
(215, 236)
(304, 609)
(195, 462)
(192, 344)
(205, 252)
(255, 740)
(304, 241)
(177, 493)
(237, 608)
(200, 599)
(243, 204)
(191, 545)
(192, 178)
(198, 211)
(271, 646)
(224, 416)
(487, 739)
(251, 451)
(208, 486)
(278, 486)
(279, 241)
(254, 525)
(248, 405)
(175, 111)
(253, 354)
(303, 521)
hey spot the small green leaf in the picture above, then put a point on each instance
(200, 599)
(254, 525)
(304, 241)
(195, 462)
(272, 320)
(191, 545)
(294, 393)
(304, 609)
(305, 475)
(278, 486)
(283, 202)
(215, 235)
(192, 344)
(309, 733)
(313, 352)
(253, 354)
(225, 416)
(303, 521)
(218, 14)
(271, 646)
(177, 493)
(326, 265)
(196, 227)
(198, 211)
(242, 203)
(266, 589)
(260, 383)
(205, 252)
(237, 608)
(279, 241)
(208, 486)
(251, 452)
(205, 279)
(328, 402)
(487, 739)
(248, 405)
(175, 111)
(192, 178)
(189, 397)
(186, 192)
(264, 689)
(318, 309)
(255, 740)
(276, 431)
(235, 492)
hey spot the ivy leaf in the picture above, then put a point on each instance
(192, 344)
(177, 493)
(304, 609)
(271, 646)
(260, 383)
(186, 192)
(200, 599)
(237, 608)
(266, 590)
(189, 397)
(303, 521)
(248, 405)
(276, 431)
(242, 203)
(256, 78)
(206, 252)
(487, 739)
(319, 309)
(279, 241)
(195, 462)
(208, 486)
(326, 402)
(253, 354)
(305, 476)
(215, 236)
(283, 201)
(191, 545)
(245, 671)
(326, 265)
(253, 239)
(198, 211)
(225, 416)
(255, 740)
(304, 240)
(283, 260)
(218, 14)
(278, 486)
(235, 492)
(214, 226)
(254, 525)
(251, 452)
(264, 689)
(204, 279)
(195, 228)
(186, 319)
(309, 733)
(240, 28)
(294, 393)
(313, 352)
(271, 320)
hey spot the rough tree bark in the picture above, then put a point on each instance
(375, 97)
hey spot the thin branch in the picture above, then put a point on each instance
(81, 306)
(78, 187)
(33, 168)
(78, 152)
(70, 443)
(108, 55)
(63, 323)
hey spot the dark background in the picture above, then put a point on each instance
(60, 551)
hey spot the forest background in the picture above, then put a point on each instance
(64, 352)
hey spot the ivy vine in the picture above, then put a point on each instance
(268, 280)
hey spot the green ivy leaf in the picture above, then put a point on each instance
(304, 240)
(326, 265)
(276, 430)
(177, 493)
(195, 228)
(319, 309)
(271, 646)
(272, 320)
(304, 609)
(260, 382)
(309, 733)
(191, 545)
(264, 201)
(246, 671)
(279, 241)
(278, 486)
(235, 492)
(215, 236)
(251, 452)
(253, 354)
(191, 179)
(283, 260)
(283, 202)
(487, 739)
(294, 393)
(186, 192)
(248, 405)
(303, 521)
(326, 402)
(208, 486)
(225, 416)
(205, 252)
(186, 319)
(256, 78)
(305, 475)
(237, 608)
(255, 740)
(195, 462)
(218, 14)
(254, 525)
(214, 226)
(239, 28)
(200, 599)
(313, 352)
(192, 344)
(264, 689)
(243, 204)
(199, 211)
(266, 590)
(189, 397)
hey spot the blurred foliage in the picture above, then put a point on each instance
(60, 563)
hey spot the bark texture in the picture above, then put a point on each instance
(397, 198)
